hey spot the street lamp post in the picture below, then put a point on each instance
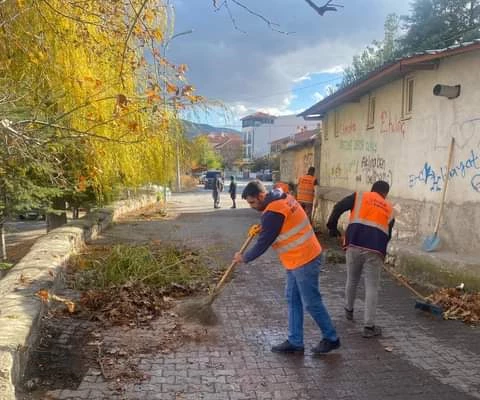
(177, 150)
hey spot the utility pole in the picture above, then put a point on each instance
(177, 147)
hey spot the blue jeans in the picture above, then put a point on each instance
(302, 290)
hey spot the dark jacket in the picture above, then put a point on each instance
(272, 223)
(347, 204)
(233, 189)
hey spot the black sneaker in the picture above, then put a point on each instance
(349, 314)
(371, 331)
(325, 346)
(287, 347)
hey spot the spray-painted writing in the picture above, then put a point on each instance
(389, 124)
(345, 128)
(374, 168)
(435, 179)
(359, 145)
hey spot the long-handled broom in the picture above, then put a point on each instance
(200, 310)
(421, 303)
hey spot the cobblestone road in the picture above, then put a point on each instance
(430, 359)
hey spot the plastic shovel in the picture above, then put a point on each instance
(432, 241)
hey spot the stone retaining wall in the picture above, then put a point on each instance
(41, 268)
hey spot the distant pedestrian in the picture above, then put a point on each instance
(286, 228)
(233, 191)
(217, 189)
(306, 191)
(367, 236)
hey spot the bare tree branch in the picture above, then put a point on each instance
(225, 4)
(328, 6)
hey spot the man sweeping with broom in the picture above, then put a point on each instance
(366, 239)
(286, 228)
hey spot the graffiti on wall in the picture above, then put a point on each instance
(374, 168)
(365, 169)
(293, 164)
(389, 124)
(347, 128)
(362, 145)
(435, 178)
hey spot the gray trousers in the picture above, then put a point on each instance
(372, 262)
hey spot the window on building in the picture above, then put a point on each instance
(371, 112)
(408, 88)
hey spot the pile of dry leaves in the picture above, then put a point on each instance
(458, 304)
(132, 304)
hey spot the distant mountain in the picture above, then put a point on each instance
(193, 129)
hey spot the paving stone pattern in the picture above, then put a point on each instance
(430, 359)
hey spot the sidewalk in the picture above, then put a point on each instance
(430, 359)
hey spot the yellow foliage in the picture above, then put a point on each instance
(75, 69)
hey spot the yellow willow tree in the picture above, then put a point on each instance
(86, 82)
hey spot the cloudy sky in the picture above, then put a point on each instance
(262, 70)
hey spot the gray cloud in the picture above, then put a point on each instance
(243, 68)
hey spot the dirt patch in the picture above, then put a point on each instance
(17, 251)
(61, 358)
(151, 212)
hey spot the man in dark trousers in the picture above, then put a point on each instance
(233, 191)
(216, 190)
(306, 191)
(366, 239)
(286, 228)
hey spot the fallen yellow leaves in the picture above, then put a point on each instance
(458, 304)
(46, 297)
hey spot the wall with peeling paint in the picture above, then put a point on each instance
(411, 152)
(295, 161)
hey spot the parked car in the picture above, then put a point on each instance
(202, 179)
(32, 215)
(210, 177)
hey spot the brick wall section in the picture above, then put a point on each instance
(41, 268)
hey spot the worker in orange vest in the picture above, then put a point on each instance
(306, 191)
(286, 228)
(282, 185)
(366, 239)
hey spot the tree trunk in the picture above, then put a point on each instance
(2, 240)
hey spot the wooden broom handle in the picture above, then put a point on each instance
(229, 270)
(444, 191)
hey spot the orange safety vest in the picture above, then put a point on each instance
(283, 186)
(306, 189)
(296, 244)
(369, 222)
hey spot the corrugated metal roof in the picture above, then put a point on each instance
(386, 73)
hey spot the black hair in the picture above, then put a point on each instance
(381, 187)
(253, 189)
(311, 171)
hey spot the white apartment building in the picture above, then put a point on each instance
(260, 129)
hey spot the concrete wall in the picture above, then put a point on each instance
(411, 153)
(282, 127)
(295, 161)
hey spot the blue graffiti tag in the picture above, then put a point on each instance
(428, 176)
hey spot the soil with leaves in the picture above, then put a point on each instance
(118, 305)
